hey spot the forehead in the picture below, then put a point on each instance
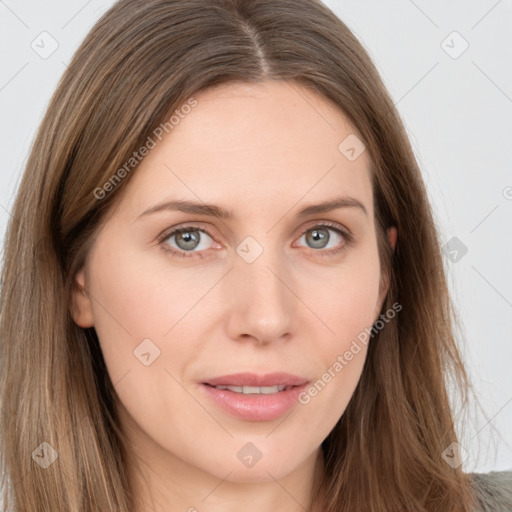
(253, 145)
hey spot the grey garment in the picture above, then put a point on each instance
(493, 491)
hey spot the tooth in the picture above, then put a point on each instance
(251, 389)
(254, 390)
(269, 390)
(236, 389)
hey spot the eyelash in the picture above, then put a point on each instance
(348, 239)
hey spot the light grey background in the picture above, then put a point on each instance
(457, 107)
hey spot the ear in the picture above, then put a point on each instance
(392, 235)
(81, 305)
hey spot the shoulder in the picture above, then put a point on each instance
(493, 491)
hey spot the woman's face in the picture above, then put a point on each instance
(258, 292)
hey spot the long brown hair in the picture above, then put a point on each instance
(139, 63)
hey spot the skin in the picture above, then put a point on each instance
(263, 151)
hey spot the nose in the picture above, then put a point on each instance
(259, 299)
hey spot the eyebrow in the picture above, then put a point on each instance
(219, 212)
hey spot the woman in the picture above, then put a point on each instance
(224, 278)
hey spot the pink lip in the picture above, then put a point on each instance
(255, 407)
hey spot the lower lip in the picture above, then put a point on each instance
(255, 407)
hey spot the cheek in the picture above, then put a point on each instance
(348, 307)
(140, 290)
(132, 300)
(348, 300)
(140, 307)
(140, 296)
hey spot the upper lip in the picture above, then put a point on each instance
(253, 379)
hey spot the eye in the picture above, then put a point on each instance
(318, 237)
(186, 240)
(190, 241)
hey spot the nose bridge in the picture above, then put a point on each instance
(262, 268)
(262, 301)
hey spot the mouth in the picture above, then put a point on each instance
(253, 397)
